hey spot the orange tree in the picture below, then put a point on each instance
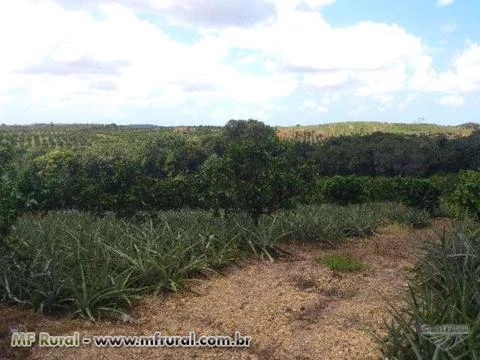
(252, 174)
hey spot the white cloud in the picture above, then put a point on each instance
(385, 99)
(443, 3)
(367, 59)
(408, 100)
(205, 13)
(103, 55)
(216, 13)
(311, 105)
(358, 109)
(462, 77)
(141, 64)
(303, 41)
(327, 79)
(318, 3)
(382, 81)
(451, 100)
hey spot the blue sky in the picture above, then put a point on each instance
(284, 62)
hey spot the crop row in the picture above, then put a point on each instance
(74, 262)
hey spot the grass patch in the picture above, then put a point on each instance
(341, 263)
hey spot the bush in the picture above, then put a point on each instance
(420, 193)
(382, 188)
(10, 198)
(445, 183)
(252, 175)
(466, 197)
(414, 192)
(50, 180)
(343, 190)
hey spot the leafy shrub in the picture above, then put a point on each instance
(343, 190)
(420, 193)
(445, 183)
(50, 180)
(252, 175)
(382, 188)
(10, 198)
(466, 197)
(414, 192)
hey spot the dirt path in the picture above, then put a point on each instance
(292, 309)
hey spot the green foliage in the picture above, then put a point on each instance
(343, 190)
(248, 130)
(174, 154)
(329, 223)
(395, 155)
(311, 223)
(444, 292)
(71, 261)
(11, 201)
(466, 197)
(445, 183)
(241, 167)
(420, 193)
(411, 217)
(214, 172)
(382, 188)
(341, 263)
(49, 179)
(362, 128)
(74, 262)
(252, 175)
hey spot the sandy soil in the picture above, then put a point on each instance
(294, 308)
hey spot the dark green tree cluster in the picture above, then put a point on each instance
(245, 167)
(252, 174)
(382, 154)
(422, 193)
(11, 201)
(466, 197)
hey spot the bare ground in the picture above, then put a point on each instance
(293, 308)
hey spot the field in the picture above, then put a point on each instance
(316, 133)
(74, 136)
(333, 312)
(305, 244)
(45, 136)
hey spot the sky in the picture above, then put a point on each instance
(204, 62)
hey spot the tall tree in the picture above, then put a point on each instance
(252, 175)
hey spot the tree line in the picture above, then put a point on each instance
(243, 167)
